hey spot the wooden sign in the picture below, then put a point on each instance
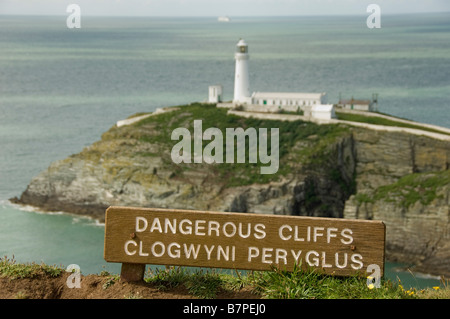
(139, 236)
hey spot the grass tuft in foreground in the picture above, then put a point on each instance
(13, 270)
(278, 284)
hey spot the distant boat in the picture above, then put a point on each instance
(223, 19)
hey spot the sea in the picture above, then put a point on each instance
(61, 88)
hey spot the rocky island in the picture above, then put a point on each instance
(336, 170)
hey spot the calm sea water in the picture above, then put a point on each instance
(60, 89)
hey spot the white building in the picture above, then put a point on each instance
(360, 105)
(287, 101)
(241, 78)
(215, 93)
(323, 112)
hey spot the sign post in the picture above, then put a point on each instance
(139, 236)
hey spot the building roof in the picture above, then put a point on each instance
(322, 108)
(286, 95)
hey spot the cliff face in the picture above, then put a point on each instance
(404, 180)
(326, 170)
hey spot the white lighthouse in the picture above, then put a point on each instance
(241, 79)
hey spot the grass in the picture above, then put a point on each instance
(302, 144)
(416, 187)
(13, 270)
(200, 283)
(298, 284)
(382, 121)
(409, 189)
(275, 284)
(158, 130)
(301, 284)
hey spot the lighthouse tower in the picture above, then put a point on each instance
(241, 82)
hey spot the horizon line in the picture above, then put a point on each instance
(229, 16)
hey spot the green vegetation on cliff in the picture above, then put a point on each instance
(301, 143)
(410, 189)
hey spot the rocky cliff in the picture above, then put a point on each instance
(404, 180)
(325, 170)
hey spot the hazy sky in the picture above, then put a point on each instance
(220, 7)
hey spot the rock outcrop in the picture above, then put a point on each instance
(331, 170)
(404, 180)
